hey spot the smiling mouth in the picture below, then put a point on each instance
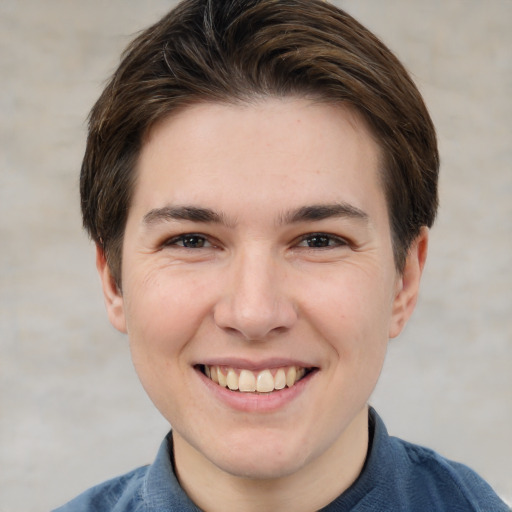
(246, 381)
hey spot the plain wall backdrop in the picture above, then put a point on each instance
(72, 412)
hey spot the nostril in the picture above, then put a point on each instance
(254, 322)
(252, 336)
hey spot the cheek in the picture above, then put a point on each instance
(164, 314)
(164, 311)
(352, 309)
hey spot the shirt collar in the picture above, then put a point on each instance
(161, 489)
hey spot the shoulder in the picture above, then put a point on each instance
(153, 488)
(403, 476)
(446, 484)
(123, 493)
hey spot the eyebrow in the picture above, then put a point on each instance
(206, 215)
(323, 211)
(190, 213)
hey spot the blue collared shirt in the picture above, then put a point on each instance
(397, 476)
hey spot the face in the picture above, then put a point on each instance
(259, 289)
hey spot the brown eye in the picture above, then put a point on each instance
(193, 241)
(190, 241)
(318, 241)
(321, 240)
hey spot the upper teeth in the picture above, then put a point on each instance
(247, 381)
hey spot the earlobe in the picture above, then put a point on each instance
(111, 292)
(408, 283)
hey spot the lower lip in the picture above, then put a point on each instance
(257, 402)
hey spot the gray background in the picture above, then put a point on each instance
(72, 412)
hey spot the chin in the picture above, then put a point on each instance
(260, 458)
(263, 467)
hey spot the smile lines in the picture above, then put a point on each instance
(247, 381)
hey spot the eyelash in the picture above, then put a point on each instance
(201, 239)
(182, 238)
(323, 237)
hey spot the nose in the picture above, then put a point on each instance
(255, 304)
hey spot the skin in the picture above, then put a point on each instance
(257, 287)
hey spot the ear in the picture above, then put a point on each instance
(111, 292)
(408, 283)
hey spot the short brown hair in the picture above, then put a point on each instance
(238, 50)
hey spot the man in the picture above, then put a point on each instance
(259, 179)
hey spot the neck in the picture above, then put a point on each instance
(312, 487)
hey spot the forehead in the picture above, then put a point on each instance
(287, 152)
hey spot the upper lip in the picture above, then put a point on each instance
(255, 365)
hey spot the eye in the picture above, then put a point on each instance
(189, 241)
(321, 240)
